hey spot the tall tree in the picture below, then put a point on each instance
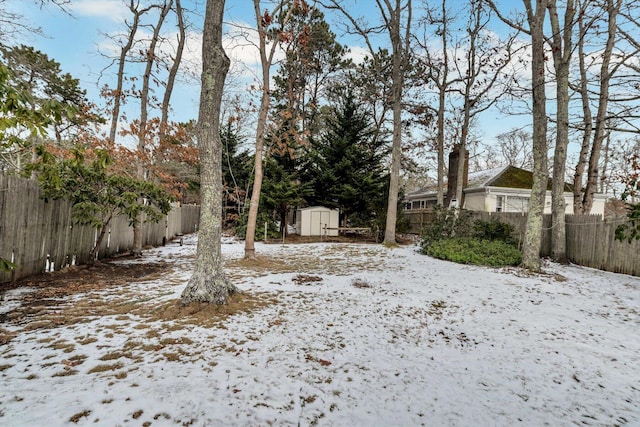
(533, 232)
(535, 16)
(598, 134)
(345, 165)
(438, 74)
(117, 95)
(561, 42)
(150, 59)
(396, 17)
(479, 73)
(265, 35)
(208, 282)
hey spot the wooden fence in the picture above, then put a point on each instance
(38, 235)
(590, 240)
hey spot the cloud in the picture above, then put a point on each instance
(114, 10)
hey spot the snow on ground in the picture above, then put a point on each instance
(376, 337)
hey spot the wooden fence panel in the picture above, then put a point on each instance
(36, 234)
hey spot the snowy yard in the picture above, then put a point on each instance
(336, 335)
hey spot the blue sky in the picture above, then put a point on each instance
(74, 39)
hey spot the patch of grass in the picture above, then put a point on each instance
(114, 355)
(360, 283)
(466, 250)
(6, 336)
(208, 315)
(40, 324)
(106, 368)
(305, 279)
(75, 418)
(86, 340)
(137, 414)
(65, 373)
(63, 345)
(4, 367)
(172, 357)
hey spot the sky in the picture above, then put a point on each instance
(349, 335)
(78, 40)
(75, 39)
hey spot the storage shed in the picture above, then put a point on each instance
(317, 221)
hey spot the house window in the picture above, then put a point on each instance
(518, 204)
(499, 203)
(407, 206)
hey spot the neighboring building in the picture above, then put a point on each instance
(506, 189)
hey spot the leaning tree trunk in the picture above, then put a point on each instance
(533, 232)
(208, 282)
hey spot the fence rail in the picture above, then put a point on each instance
(590, 239)
(38, 235)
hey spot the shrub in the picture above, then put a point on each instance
(495, 230)
(445, 224)
(468, 250)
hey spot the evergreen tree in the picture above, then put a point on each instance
(283, 187)
(345, 165)
(236, 173)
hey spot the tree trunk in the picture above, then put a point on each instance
(586, 118)
(400, 48)
(96, 247)
(562, 47)
(533, 232)
(141, 158)
(442, 93)
(208, 282)
(173, 72)
(613, 7)
(266, 60)
(118, 94)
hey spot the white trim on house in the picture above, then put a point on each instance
(478, 196)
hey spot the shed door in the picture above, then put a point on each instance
(316, 223)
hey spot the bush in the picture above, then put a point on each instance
(468, 250)
(446, 224)
(495, 230)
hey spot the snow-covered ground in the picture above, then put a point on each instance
(379, 337)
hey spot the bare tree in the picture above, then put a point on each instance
(396, 22)
(437, 73)
(263, 21)
(619, 53)
(561, 42)
(150, 59)
(118, 93)
(209, 282)
(480, 72)
(533, 232)
(535, 18)
(175, 66)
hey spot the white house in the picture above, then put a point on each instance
(505, 189)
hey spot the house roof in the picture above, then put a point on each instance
(502, 177)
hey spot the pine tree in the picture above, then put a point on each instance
(345, 165)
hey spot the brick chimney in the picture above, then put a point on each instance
(452, 178)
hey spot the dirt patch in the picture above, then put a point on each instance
(80, 279)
